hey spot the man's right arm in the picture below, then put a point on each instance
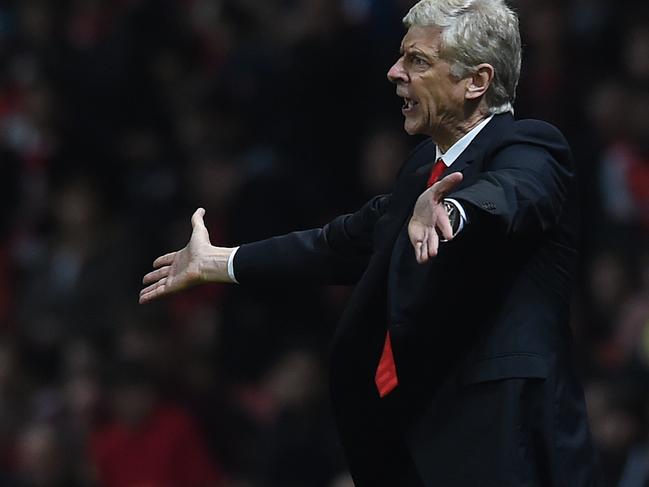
(337, 253)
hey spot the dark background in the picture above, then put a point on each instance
(119, 118)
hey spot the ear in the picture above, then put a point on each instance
(479, 82)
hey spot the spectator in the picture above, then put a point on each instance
(148, 441)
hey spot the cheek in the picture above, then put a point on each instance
(430, 105)
(440, 101)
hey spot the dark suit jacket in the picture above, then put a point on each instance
(487, 395)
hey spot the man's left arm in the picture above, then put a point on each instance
(525, 185)
(522, 190)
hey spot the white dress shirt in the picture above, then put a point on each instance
(449, 157)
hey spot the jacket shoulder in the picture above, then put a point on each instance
(538, 131)
(540, 126)
(534, 133)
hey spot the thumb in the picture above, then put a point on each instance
(198, 225)
(446, 184)
(197, 217)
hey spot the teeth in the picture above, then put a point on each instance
(409, 103)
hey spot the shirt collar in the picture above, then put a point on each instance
(456, 149)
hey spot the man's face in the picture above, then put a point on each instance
(433, 98)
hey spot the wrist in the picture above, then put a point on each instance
(459, 218)
(453, 216)
(213, 266)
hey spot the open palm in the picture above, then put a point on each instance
(178, 270)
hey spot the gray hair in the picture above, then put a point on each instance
(474, 32)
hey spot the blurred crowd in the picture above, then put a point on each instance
(119, 117)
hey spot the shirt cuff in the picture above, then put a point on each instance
(463, 218)
(231, 265)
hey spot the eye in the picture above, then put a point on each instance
(419, 61)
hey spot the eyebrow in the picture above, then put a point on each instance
(415, 50)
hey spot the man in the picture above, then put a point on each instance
(451, 364)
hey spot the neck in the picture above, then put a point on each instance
(459, 130)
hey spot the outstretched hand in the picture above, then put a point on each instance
(199, 261)
(429, 216)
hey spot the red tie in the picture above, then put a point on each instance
(386, 372)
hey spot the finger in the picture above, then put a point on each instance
(417, 246)
(197, 217)
(414, 232)
(145, 298)
(433, 243)
(150, 296)
(154, 286)
(444, 225)
(154, 276)
(166, 259)
(198, 224)
(446, 184)
(423, 257)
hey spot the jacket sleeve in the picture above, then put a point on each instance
(525, 183)
(337, 253)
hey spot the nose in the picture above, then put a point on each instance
(396, 73)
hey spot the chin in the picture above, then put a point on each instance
(411, 129)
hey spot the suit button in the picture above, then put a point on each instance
(488, 205)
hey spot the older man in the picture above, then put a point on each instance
(451, 365)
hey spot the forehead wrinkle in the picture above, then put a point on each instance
(418, 45)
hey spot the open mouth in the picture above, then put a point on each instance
(409, 104)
